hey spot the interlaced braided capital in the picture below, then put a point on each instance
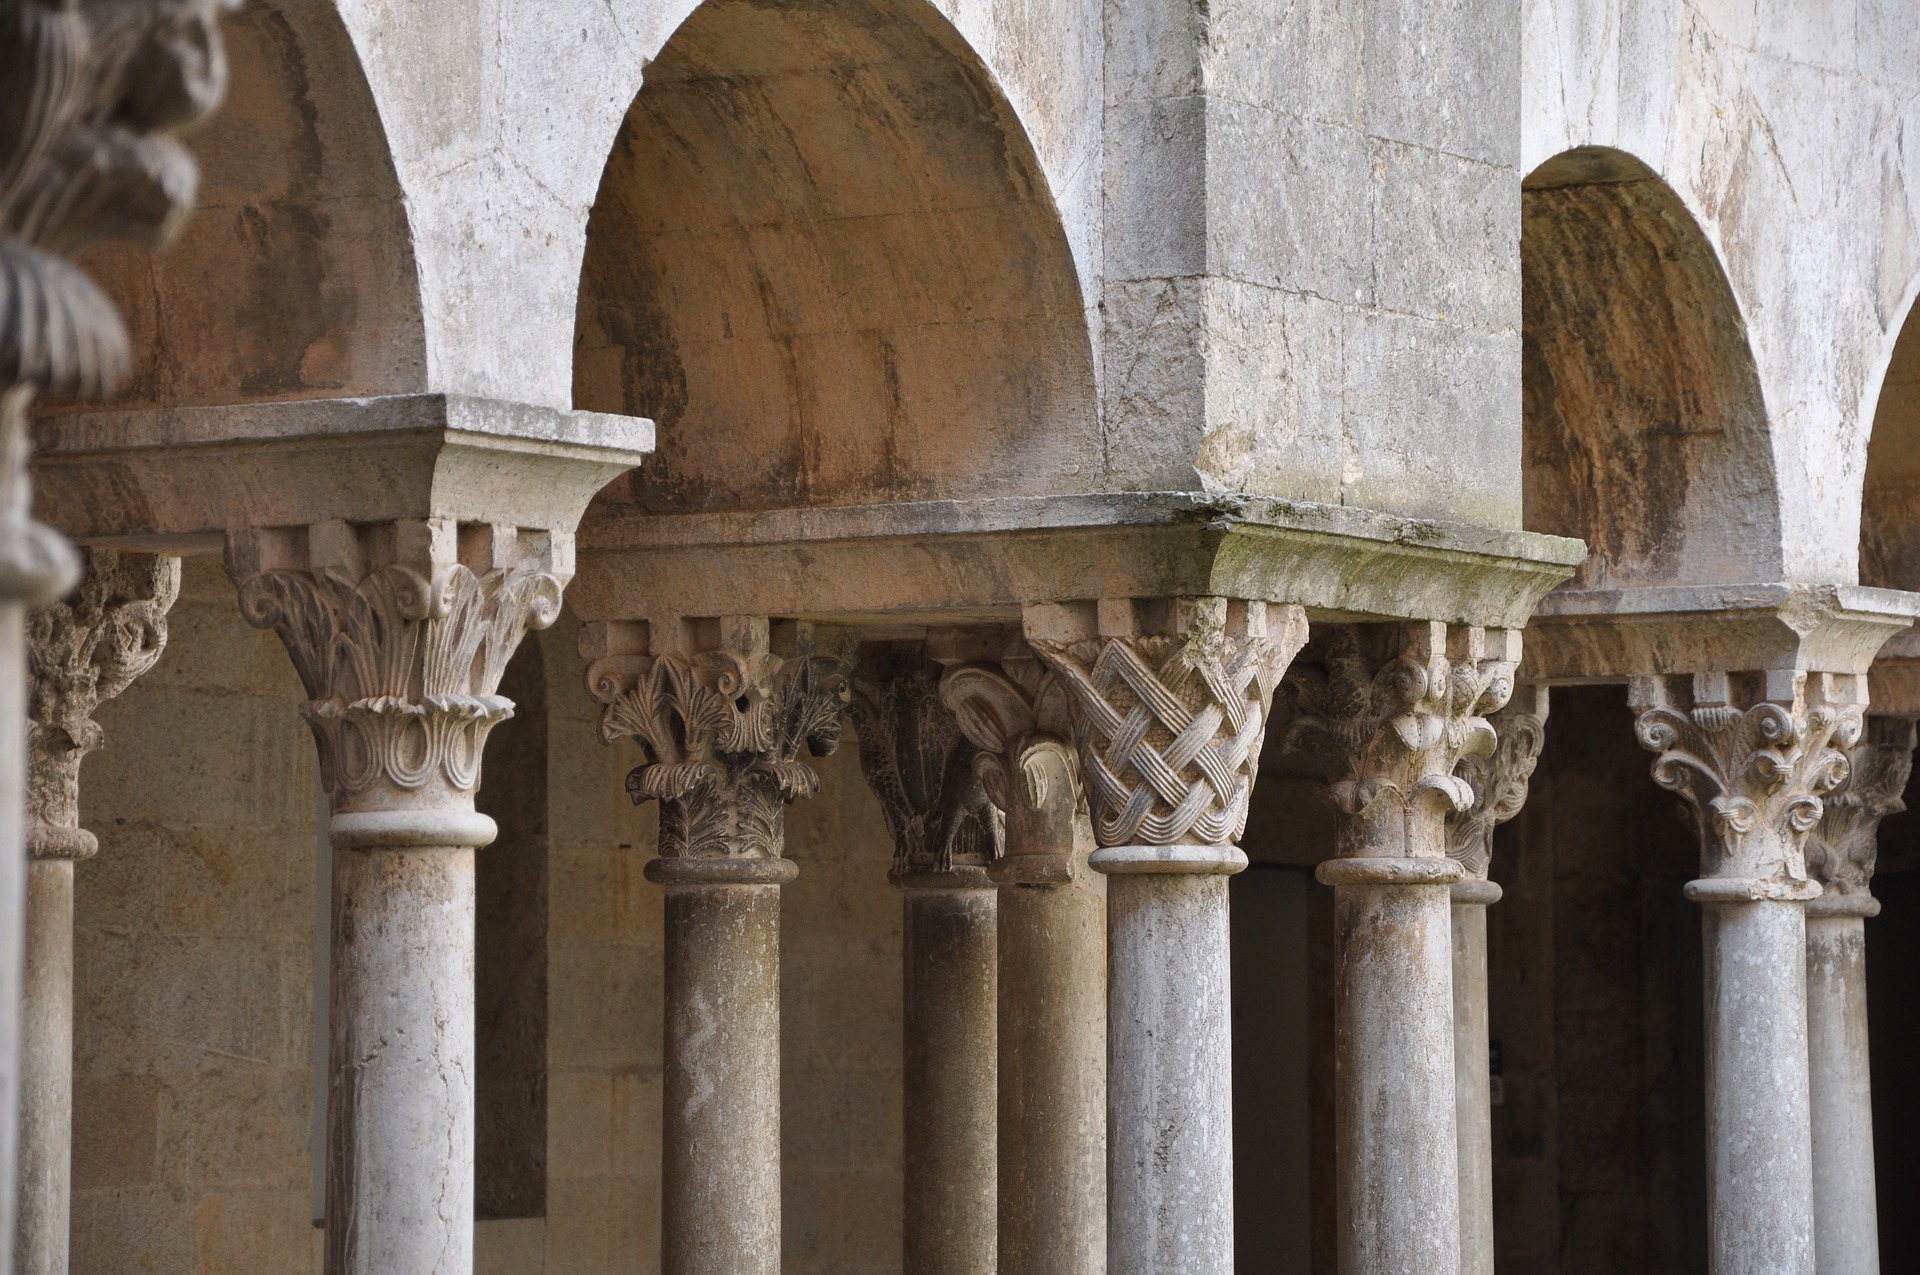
(1168, 731)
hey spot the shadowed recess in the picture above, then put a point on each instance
(295, 276)
(1645, 432)
(1890, 508)
(825, 260)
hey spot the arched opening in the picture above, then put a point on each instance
(825, 260)
(1890, 501)
(295, 277)
(1645, 433)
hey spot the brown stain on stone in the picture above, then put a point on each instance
(1645, 432)
(824, 259)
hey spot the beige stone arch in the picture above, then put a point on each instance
(826, 260)
(1645, 432)
(295, 277)
(1890, 496)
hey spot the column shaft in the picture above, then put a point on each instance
(13, 886)
(1473, 1112)
(1394, 1130)
(1053, 1071)
(720, 1138)
(400, 1092)
(1759, 1140)
(949, 995)
(46, 1071)
(1846, 1228)
(1169, 1068)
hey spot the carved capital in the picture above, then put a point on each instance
(1498, 779)
(1169, 704)
(82, 651)
(400, 633)
(1752, 756)
(1393, 709)
(1842, 847)
(922, 768)
(722, 720)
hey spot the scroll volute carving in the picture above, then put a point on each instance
(1498, 779)
(1016, 714)
(1843, 847)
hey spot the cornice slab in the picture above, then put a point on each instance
(1607, 635)
(178, 478)
(949, 561)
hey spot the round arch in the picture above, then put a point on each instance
(1645, 430)
(295, 277)
(825, 260)
(1890, 500)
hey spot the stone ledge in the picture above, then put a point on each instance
(177, 478)
(950, 562)
(1608, 635)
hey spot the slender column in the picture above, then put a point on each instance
(1840, 856)
(87, 96)
(400, 633)
(1053, 952)
(1393, 709)
(82, 651)
(921, 768)
(722, 711)
(1499, 784)
(1170, 701)
(1752, 756)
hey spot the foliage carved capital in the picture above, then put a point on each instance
(1498, 779)
(923, 769)
(83, 651)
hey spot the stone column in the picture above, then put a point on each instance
(88, 95)
(400, 632)
(921, 768)
(1393, 709)
(1053, 953)
(1499, 784)
(722, 710)
(1751, 756)
(1840, 856)
(1170, 701)
(82, 651)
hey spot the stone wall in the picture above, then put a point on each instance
(195, 942)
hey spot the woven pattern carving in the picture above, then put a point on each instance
(1168, 730)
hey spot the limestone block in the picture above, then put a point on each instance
(605, 1005)
(1300, 60)
(179, 1004)
(599, 897)
(1443, 248)
(510, 1246)
(1157, 171)
(603, 1227)
(233, 1126)
(263, 1232)
(228, 881)
(134, 1229)
(115, 1131)
(1291, 204)
(1278, 393)
(1445, 74)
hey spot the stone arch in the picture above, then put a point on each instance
(1645, 429)
(295, 277)
(1890, 500)
(825, 260)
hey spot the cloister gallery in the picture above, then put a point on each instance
(1009, 560)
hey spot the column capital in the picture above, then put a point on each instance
(1752, 755)
(1015, 711)
(924, 770)
(1842, 847)
(1393, 709)
(722, 708)
(82, 651)
(1170, 699)
(400, 632)
(1498, 781)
